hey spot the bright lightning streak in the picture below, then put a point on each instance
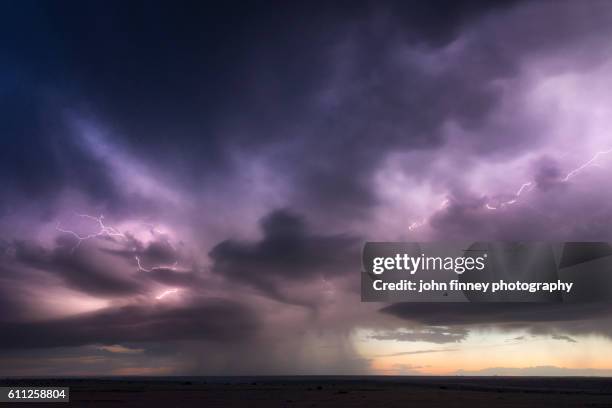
(529, 185)
(525, 187)
(417, 224)
(166, 293)
(141, 268)
(586, 164)
(103, 230)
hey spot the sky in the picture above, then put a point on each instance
(185, 188)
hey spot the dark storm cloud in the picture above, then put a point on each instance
(574, 38)
(439, 22)
(468, 217)
(203, 319)
(548, 174)
(382, 96)
(158, 261)
(327, 85)
(382, 103)
(159, 251)
(553, 211)
(13, 302)
(288, 252)
(110, 272)
(37, 154)
(83, 270)
(169, 276)
(583, 318)
(252, 78)
(166, 270)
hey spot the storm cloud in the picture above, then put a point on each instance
(209, 319)
(287, 252)
(179, 175)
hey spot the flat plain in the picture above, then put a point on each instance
(324, 391)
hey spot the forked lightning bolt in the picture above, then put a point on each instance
(102, 231)
(524, 188)
(529, 185)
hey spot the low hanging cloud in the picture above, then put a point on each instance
(414, 352)
(579, 318)
(287, 253)
(564, 338)
(203, 319)
(86, 270)
(437, 335)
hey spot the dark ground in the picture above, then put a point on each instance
(338, 392)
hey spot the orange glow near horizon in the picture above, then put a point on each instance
(490, 350)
